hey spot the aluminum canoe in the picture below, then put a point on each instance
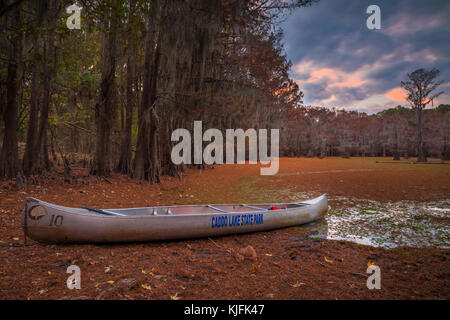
(48, 222)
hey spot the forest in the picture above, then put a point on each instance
(108, 96)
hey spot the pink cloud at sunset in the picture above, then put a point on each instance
(334, 77)
(352, 80)
(334, 85)
(396, 94)
(323, 73)
(405, 24)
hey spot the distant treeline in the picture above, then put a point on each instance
(321, 132)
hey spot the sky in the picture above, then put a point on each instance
(338, 62)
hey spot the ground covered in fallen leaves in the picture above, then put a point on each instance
(280, 264)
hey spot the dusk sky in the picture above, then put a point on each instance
(338, 62)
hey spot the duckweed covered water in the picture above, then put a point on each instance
(387, 225)
(367, 222)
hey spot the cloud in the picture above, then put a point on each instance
(338, 62)
(396, 94)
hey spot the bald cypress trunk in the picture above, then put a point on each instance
(144, 158)
(420, 152)
(9, 160)
(147, 165)
(125, 160)
(396, 152)
(104, 109)
(29, 157)
(41, 149)
(31, 154)
(124, 165)
(445, 153)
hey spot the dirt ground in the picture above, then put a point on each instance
(288, 264)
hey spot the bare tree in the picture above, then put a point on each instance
(420, 88)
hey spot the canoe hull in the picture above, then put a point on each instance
(45, 222)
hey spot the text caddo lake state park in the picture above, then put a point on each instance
(236, 220)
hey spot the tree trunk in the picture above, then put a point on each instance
(445, 153)
(126, 152)
(145, 140)
(41, 150)
(104, 109)
(396, 153)
(154, 172)
(147, 165)
(9, 159)
(420, 152)
(29, 158)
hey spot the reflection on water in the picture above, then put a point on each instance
(388, 225)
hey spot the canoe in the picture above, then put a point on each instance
(48, 222)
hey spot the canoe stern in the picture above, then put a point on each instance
(319, 206)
